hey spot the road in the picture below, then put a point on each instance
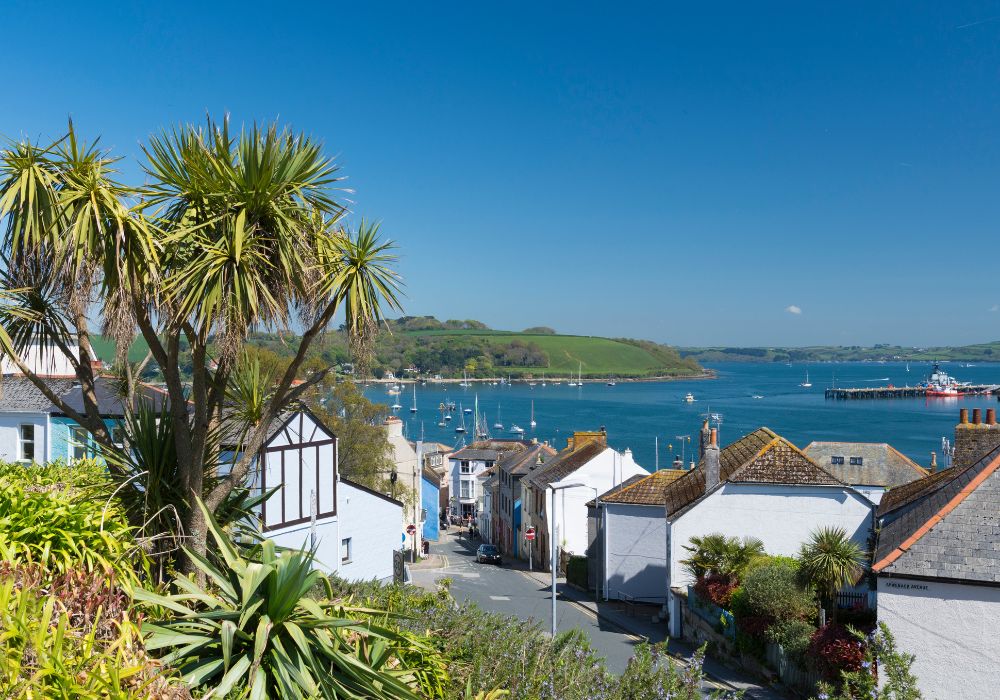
(512, 591)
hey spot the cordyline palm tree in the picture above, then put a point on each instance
(231, 234)
(830, 560)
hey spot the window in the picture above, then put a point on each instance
(118, 436)
(465, 469)
(27, 443)
(345, 551)
(78, 443)
(856, 461)
(466, 489)
(839, 460)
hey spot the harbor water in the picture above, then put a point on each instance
(744, 397)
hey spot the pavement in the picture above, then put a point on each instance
(513, 590)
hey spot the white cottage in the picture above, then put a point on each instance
(938, 571)
(354, 529)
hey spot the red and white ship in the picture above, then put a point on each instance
(940, 383)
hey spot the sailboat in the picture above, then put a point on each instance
(460, 428)
(533, 423)
(480, 430)
(907, 366)
(579, 382)
(396, 406)
(806, 384)
(465, 380)
(413, 408)
(543, 378)
(499, 424)
(611, 381)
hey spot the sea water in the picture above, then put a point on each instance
(635, 414)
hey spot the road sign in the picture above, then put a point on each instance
(411, 530)
(529, 534)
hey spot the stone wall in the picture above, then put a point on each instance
(973, 441)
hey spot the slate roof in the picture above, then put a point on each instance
(522, 462)
(951, 530)
(489, 449)
(881, 463)
(471, 453)
(19, 395)
(565, 463)
(758, 457)
(901, 496)
(643, 490)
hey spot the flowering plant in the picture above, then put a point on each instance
(882, 661)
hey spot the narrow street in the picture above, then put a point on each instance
(510, 590)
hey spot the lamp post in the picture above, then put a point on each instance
(555, 533)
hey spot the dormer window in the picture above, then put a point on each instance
(856, 461)
(839, 460)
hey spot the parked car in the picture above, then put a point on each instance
(488, 554)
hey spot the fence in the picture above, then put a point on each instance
(791, 673)
(721, 620)
(852, 600)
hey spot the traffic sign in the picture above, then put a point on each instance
(529, 534)
(411, 529)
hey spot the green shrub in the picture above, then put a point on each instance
(884, 673)
(793, 636)
(256, 628)
(773, 591)
(63, 518)
(576, 571)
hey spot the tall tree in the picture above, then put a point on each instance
(231, 234)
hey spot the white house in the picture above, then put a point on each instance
(355, 530)
(466, 465)
(938, 571)
(48, 362)
(566, 482)
(408, 474)
(774, 493)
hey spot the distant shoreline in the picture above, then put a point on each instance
(707, 374)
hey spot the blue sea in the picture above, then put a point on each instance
(637, 413)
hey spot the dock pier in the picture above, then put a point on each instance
(905, 392)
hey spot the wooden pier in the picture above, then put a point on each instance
(906, 392)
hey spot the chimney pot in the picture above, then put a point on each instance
(933, 461)
(714, 437)
(963, 416)
(712, 465)
(991, 416)
(977, 416)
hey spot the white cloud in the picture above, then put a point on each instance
(995, 307)
(793, 309)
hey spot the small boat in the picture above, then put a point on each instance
(533, 423)
(907, 366)
(396, 406)
(499, 424)
(806, 384)
(447, 416)
(689, 397)
(467, 410)
(517, 430)
(543, 378)
(465, 380)
(756, 396)
(460, 428)
(612, 382)
(413, 408)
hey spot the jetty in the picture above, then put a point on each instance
(907, 392)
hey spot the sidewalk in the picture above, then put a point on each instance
(643, 627)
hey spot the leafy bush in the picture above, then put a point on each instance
(834, 649)
(74, 640)
(63, 518)
(884, 673)
(724, 556)
(794, 637)
(257, 626)
(576, 571)
(773, 591)
(716, 589)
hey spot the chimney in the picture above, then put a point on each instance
(534, 441)
(712, 466)
(974, 440)
(703, 439)
(933, 462)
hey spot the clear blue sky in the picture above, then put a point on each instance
(684, 175)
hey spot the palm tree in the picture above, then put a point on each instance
(231, 234)
(720, 555)
(830, 560)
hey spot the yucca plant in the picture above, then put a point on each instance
(254, 630)
(831, 560)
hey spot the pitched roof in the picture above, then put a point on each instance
(565, 463)
(19, 395)
(901, 496)
(644, 490)
(520, 463)
(758, 457)
(472, 453)
(489, 449)
(950, 532)
(881, 463)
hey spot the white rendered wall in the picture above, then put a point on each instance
(603, 472)
(636, 553)
(372, 523)
(951, 629)
(49, 361)
(10, 435)
(781, 516)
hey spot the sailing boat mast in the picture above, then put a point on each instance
(413, 408)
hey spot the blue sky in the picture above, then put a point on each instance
(684, 174)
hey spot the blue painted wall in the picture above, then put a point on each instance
(429, 502)
(62, 428)
(517, 526)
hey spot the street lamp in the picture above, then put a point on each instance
(552, 543)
